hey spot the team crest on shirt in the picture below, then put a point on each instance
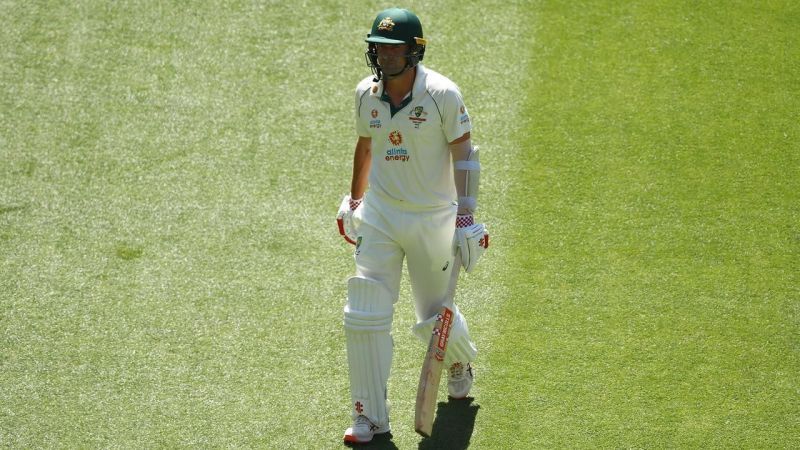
(417, 116)
(396, 152)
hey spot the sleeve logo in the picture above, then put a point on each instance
(464, 116)
(375, 122)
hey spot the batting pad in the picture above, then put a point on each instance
(368, 324)
(459, 346)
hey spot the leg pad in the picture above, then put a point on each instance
(459, 346)
(368, 324)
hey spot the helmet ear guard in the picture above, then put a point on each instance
(417, 51)
(372, 60)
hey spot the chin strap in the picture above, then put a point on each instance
(379, 73)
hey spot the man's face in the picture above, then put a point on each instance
(392, 58)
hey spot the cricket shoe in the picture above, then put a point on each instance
(363, 430)
(459, 380)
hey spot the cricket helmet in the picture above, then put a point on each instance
(395, 26)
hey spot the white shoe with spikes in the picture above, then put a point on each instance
(460, 380)
(363, 430)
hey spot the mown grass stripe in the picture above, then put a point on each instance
(656, 301)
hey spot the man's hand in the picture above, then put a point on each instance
(345, 218)
(472, 239)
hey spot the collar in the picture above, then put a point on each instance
(406, 99)
(419, 82)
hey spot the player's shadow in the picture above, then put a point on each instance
(453, 427)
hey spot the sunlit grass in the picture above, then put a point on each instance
(171, 275)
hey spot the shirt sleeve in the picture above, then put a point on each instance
(456, 117)
(362, 128)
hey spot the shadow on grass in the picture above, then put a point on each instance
(452, 429)
(12, 208)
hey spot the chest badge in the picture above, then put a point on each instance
(417, 116)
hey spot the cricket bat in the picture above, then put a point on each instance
(431, 375)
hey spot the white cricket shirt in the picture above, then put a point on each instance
(411, 161)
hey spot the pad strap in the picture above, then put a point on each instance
(469, 203)
(467, 165)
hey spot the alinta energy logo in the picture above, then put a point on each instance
(396, 138)
(397, 153)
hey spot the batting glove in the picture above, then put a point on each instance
(345, 218)
(472, 239)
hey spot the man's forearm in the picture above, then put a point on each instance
(361, 165)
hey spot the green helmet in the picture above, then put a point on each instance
(395, 26)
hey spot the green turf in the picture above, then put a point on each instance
(658, 256)
(170, 275)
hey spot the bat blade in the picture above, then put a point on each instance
(431, 374)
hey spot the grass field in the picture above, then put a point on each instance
(170, 274)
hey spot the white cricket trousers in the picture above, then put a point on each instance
(389, 231)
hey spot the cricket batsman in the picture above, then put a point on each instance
(412, 197)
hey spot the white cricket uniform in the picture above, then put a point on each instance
(408, 212)
(410, 207)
